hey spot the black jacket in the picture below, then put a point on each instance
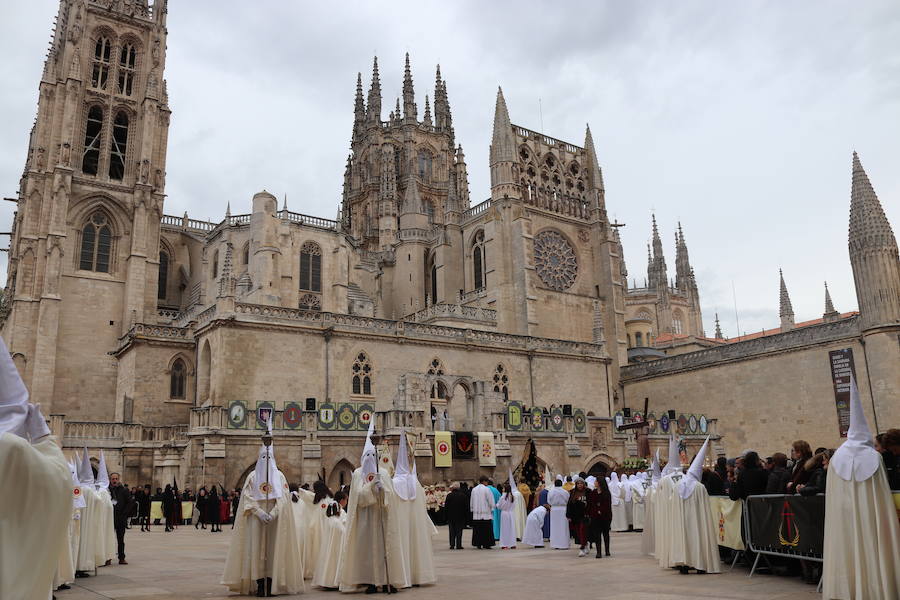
(123, 504)
(778, 480)
(816, 483)
(456, 507)
(713, 483)
(750, 482)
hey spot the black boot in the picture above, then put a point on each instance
(260, 588)
(371, 589)
(269, 586)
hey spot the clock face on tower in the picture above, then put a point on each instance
(237, 414)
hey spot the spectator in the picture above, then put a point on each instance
(890, 454)
(818, 472)
(779, 475)
(599, 512)
(144, 508)
(169, 499)
(751, 480)
(800, 453)
(713, 483)
(123, 505)
(576, 512)
(457, 511)
(214, 511)
(201, 508)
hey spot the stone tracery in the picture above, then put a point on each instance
(555, 260)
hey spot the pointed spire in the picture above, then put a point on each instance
(593, 162)
(412, 202)
(228, 209)
(657, 273)
(830, 314)
(684, 279)
(502, 149)
(409, 95)
(785, 310)
(873, 254)
(373, 108)
(719, 335)
(426, 119)
(359, 108)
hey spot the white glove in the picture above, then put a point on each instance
(378, 485)
(263, 516)
(76, 516)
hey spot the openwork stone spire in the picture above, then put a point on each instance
(373, 108)
(830, 314)
(785, 310)
(359, 107)
(409, 94)
(719, 335)
(873, 254)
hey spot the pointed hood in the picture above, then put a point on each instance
(102, 482)
(694, 474)
(512, 484)
(654, 468)
(17, 415)
(673, 463)
(85, 472)
(267, 482)
(548, 478)
(77, 497)
(405, 483)
(615, 488)
(369, 460)
(856, 459)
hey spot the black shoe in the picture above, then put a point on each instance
(260, 588)
(64, 586)
(269, 587)
(700, 572)
(389, 589)
(80, 574)
(599, 555)
(371, 589)
(683, 570)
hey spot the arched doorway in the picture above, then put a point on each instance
(340, 475)
(599, 469)
(459, 407)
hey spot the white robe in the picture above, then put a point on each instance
(507, 521)
(86, 559)
(372, 529)
(258, 550)
(300, 509)
(416, 529)
(647, 537)
(862, 539)
(105, 547)
(481, 502)
(314, 521)
(638, 510)
(521, 512)
(701, 541)
(619, 511)
(558, 498)
(667, 515)
(327, 575)
(534, 527)
(35, 509)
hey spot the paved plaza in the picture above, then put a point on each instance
(188, 564)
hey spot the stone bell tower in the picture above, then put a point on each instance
(90, 201)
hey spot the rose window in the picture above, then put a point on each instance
(555, 260)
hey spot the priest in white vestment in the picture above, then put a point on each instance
(481, 503)
(264, 553)
(701, 550)
(534, 526)
(413, 523)
(558, 499)
(372, 552)
(36, 503)
(862, 535)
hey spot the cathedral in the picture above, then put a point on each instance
(469, 326)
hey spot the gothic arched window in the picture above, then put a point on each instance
(479, 261)
(90, 160)
(100, 71)
(677, 322)
(127, 60)
(96, 244)
(162, 284)
(118, 146)
(638, 339)
(362, 375)
(501, 381)
(438, 389)
(311, 267)
(424, 165)
(177, 378)
(246, 254)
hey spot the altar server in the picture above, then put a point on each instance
(558, 499)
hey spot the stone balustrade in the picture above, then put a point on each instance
(455, 312)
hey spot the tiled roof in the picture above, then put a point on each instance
(777, 330)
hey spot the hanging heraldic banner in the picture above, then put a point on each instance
(841, 368)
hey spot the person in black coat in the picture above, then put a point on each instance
(456, 509)
(818, 468)
(779, 476)
(752, 479)
(214, 510)
(123, 508)
(169, 500)
(713, 483)
(202, 508)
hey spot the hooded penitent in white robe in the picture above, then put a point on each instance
(414, 525)
(638, 508)
(697, 546)
(558, 498)
(86, 559)
(259, 549)
(327, 575)
(862, 535)
(65, 570)
(312, 526)
(507, 504)
(619, 514)
(534, 527)
(36, 505)
(301, 509)
(107, 546)
(520, 511)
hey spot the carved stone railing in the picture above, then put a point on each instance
(168, 314)
(473, 295)
(443, 310)
(308, 220)
(208, 417)
(424, 235)
(796, 338)
(476, 210)
(206, 316)
(188, 224)
(121, 432)
(545, 139)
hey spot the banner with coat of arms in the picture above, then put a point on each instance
(486, 455)
(443, 456)
(727, 515)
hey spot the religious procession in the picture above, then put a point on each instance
(377, 534)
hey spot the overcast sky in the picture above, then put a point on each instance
(738, 119)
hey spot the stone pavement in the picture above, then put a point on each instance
(187, 564)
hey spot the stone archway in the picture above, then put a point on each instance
(461, 404)
(599, 463)
(340, 475)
